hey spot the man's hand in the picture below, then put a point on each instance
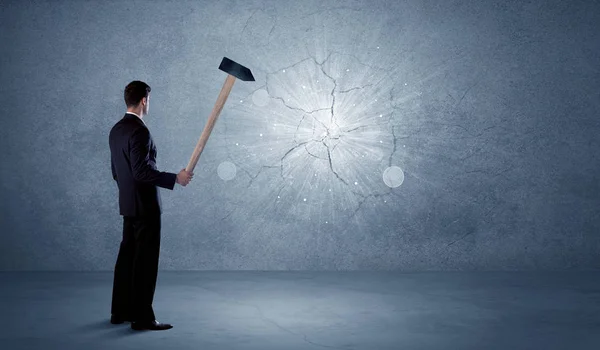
(184, 177)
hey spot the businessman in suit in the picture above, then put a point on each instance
(133, 163)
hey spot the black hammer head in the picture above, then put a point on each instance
(237, 70)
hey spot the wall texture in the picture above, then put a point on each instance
(409, 135)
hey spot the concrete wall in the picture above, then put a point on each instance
(417, 135)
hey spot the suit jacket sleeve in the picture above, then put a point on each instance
(143, 166)
(112, 166)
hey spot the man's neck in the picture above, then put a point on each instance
(137, 113)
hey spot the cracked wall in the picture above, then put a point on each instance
(377, 135)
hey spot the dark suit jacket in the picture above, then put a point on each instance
(133, 163)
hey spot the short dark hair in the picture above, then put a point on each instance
(135, 91)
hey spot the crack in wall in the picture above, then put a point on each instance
(275, 22)
(248, 21)
(329, 133)
(332, 134)
(394, 149)
(252, 178)
(471, 231)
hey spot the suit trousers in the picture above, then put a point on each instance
(136, 269)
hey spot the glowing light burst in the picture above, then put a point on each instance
(325, 139)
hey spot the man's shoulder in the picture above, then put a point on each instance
(128, 124)
(126, 130)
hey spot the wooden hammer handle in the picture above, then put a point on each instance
(210, 124)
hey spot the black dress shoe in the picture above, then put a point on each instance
(151, 326)
(118, 320)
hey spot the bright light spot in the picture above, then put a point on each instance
(377, 47)
(260, 97)
(278, 197)
(381, 115)
(241, 101)
(405, 84)
(305, 199)
(226, 171)
(356, 183)
(380, 141)
(237, 144)
(393, 176)
(334, 131)
(347, 70)
(284, 70)
(260, 135)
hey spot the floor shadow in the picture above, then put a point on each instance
(128, 332)
(100, 324)
(119, 330)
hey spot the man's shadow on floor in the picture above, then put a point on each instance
(120, 330)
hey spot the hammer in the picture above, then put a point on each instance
(234, 70)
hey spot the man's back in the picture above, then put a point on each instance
(133, 158)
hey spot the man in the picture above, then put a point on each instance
(133, 163)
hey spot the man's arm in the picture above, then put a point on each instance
(143, 168)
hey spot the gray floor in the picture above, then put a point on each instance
(310, 310)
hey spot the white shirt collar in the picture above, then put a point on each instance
(136, 116)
